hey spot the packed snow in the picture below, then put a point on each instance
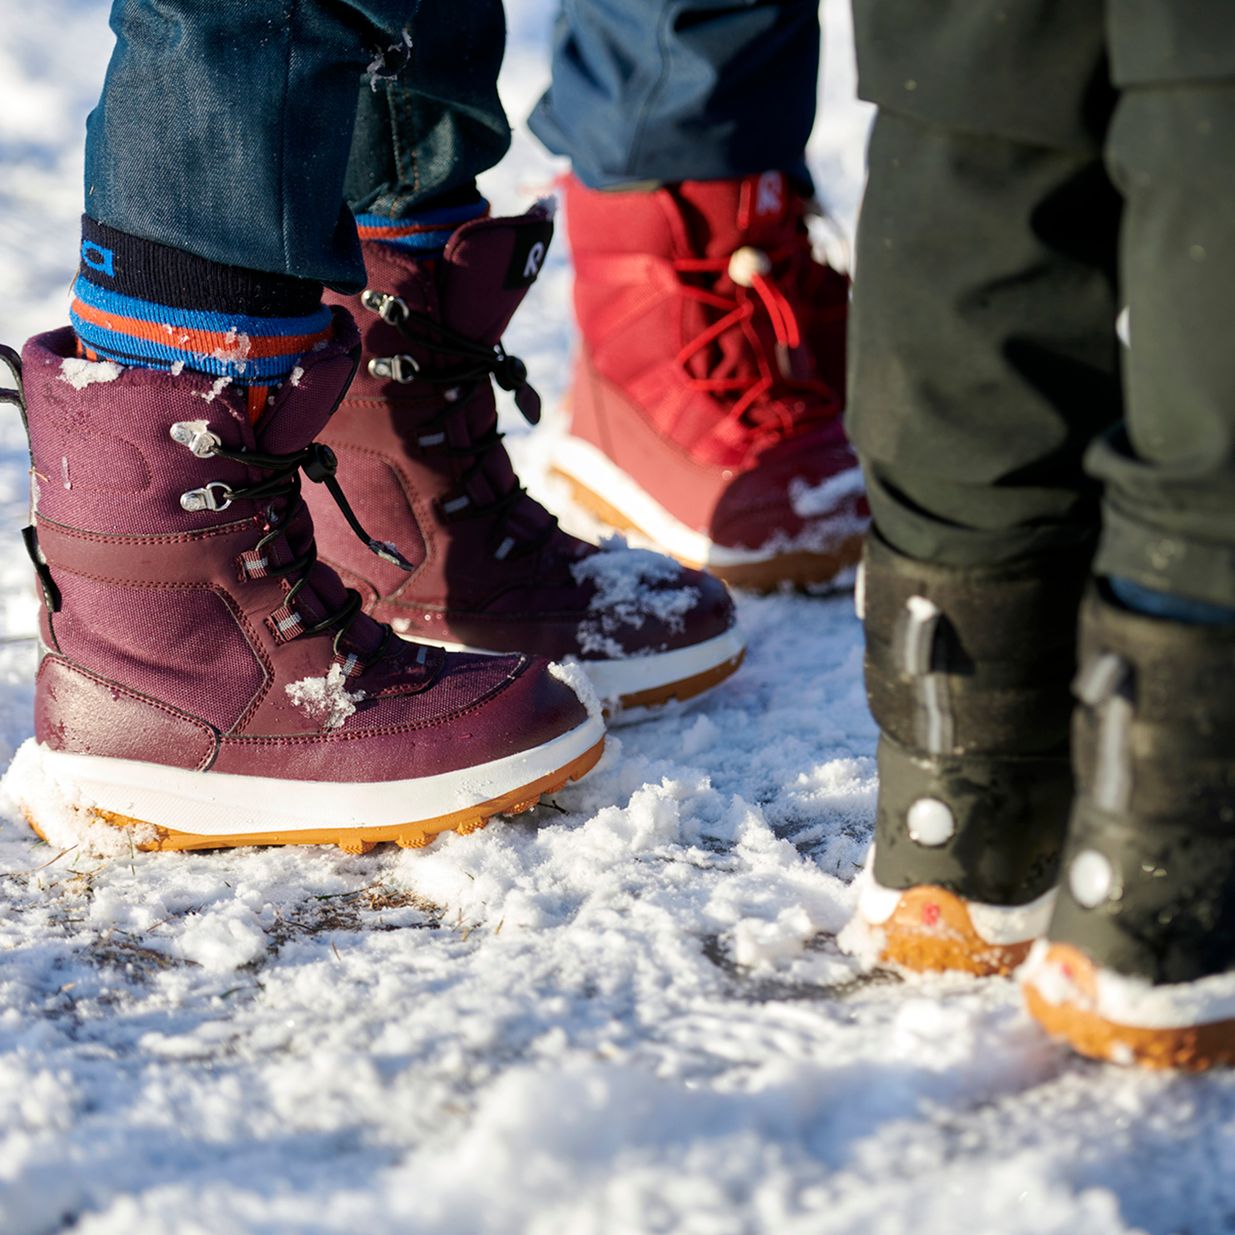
(235, 350)
(388, 62)
(65, 812)
(217, 387)
(623, 1014)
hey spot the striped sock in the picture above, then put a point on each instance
(423, 234)
(145, 304)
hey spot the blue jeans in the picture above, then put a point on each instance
(234, 129)
(224, 128)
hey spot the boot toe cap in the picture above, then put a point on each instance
(804, 493)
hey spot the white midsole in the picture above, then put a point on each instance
(221, 803)
(596, 471)
(998, 925)
(1133, 1002)
(619, 678)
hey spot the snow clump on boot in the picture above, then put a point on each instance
(325, 701)
(630, 588)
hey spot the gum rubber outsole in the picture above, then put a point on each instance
(1192, 1048)
(797, 568)
(684, 689)
(362, 840)
(931, 931)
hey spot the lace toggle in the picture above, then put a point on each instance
(750, 267)
(747, 264)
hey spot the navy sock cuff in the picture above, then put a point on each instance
(142, 303)
(146, 270)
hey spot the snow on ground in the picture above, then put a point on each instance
(624, 1014)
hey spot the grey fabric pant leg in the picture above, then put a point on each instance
(1169, 471)
(987, 400)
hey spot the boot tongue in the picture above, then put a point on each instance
(304, 403)
(486, 270)
(474, 289)
(722, 216)
(484, 274)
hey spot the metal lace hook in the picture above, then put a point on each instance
(389, 308)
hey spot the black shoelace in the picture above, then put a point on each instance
(481, 363)
(319, 463)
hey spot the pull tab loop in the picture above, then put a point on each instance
(16, 394)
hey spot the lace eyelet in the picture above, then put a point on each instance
(204, 498)
(401, 369)
(196, 435)
(389, 308)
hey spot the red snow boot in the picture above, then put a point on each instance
(208, 681)
(710, 382)
(419, 449)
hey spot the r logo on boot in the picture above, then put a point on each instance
(531, 246)
(770, 194)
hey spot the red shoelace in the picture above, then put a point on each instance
(776, 402)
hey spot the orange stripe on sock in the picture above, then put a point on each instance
(257, 402)
(408, 229)
(204, 342)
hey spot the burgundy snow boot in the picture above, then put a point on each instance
(205, 679)
(418, 445)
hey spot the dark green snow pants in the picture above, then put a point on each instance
(1036, 166)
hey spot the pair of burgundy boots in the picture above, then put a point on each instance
(222, 663)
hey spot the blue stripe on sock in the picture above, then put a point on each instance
(441, 221)
(441, 217)
(108, 301)
(128, 349)
(1154, 603)
(421, 242)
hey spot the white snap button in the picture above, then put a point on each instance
(1091, 877)
(931, 822)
